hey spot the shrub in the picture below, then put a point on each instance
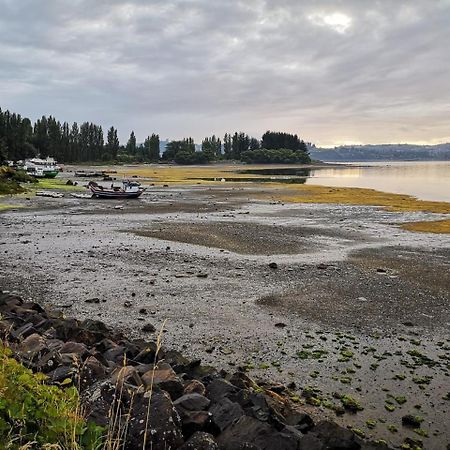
(34, 412)
(275, 156)
(10, 180)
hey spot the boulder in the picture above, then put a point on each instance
(77, 348)
(165, 378)
(193, 421)
(91, 371)
(225, 413)
(192, 402)
(334, 436)
(126, 374)
(194, 386)
(160, 429)
(220, 388)
(32, 346)
(249, 432)
(200, 441)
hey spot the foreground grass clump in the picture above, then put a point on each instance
(10, 180)
(36, 415)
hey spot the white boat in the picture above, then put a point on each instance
(42, 168)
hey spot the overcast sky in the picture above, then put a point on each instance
(343, 71)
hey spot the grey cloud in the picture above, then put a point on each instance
(195, 67)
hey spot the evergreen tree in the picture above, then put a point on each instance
(212, 147)
(74, 143)
(227, 146)
(154, 147)
(112, 143)
(131, 144)
(254, 144)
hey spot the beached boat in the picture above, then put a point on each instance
(129, 189)
(42, 168)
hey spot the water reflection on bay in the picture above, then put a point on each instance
(425, 180)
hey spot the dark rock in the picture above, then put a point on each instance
(248, 432)
(193, 421)
(143, 311)
(116, 354)
(75, 348)
(200, 441)
(94, 325)
(273, 265)
(32, 346)
(335, 437)
(195, 386)
(300, 420)
(163, 430)
(127, 304)
(92, 300)
(126, 374)
(242, 381)
(105, 345)
(23, 331)
(63, 373)
(91, 371)
(219, 388)
(411, 421)
(48, 362)
(225, 413)
(98, 402)
(192, 402)
(280, 325)
(165, 378)
(177, 361)
(148, 328)
(311, 442)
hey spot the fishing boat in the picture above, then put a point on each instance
(42, 168)
(129, 189)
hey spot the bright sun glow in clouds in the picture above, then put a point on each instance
(337, 21)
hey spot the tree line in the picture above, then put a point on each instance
(21, 139)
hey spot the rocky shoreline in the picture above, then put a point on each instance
(164, 400)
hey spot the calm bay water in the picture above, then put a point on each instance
(426, 180)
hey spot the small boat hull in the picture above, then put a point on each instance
(99, 192)
(108, 194)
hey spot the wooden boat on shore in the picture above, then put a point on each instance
(128, 189)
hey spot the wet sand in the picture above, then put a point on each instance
(352, 303)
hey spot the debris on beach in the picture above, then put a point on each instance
(49, 194)
(81, 195)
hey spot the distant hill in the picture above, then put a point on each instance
(383, 152)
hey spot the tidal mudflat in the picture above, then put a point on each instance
(335, 299)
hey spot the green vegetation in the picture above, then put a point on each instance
(10, 180)
(34, 412)
(275, 156)
(350, 403)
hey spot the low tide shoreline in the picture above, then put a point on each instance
(282, 290)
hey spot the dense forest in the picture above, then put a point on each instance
(21, 139)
